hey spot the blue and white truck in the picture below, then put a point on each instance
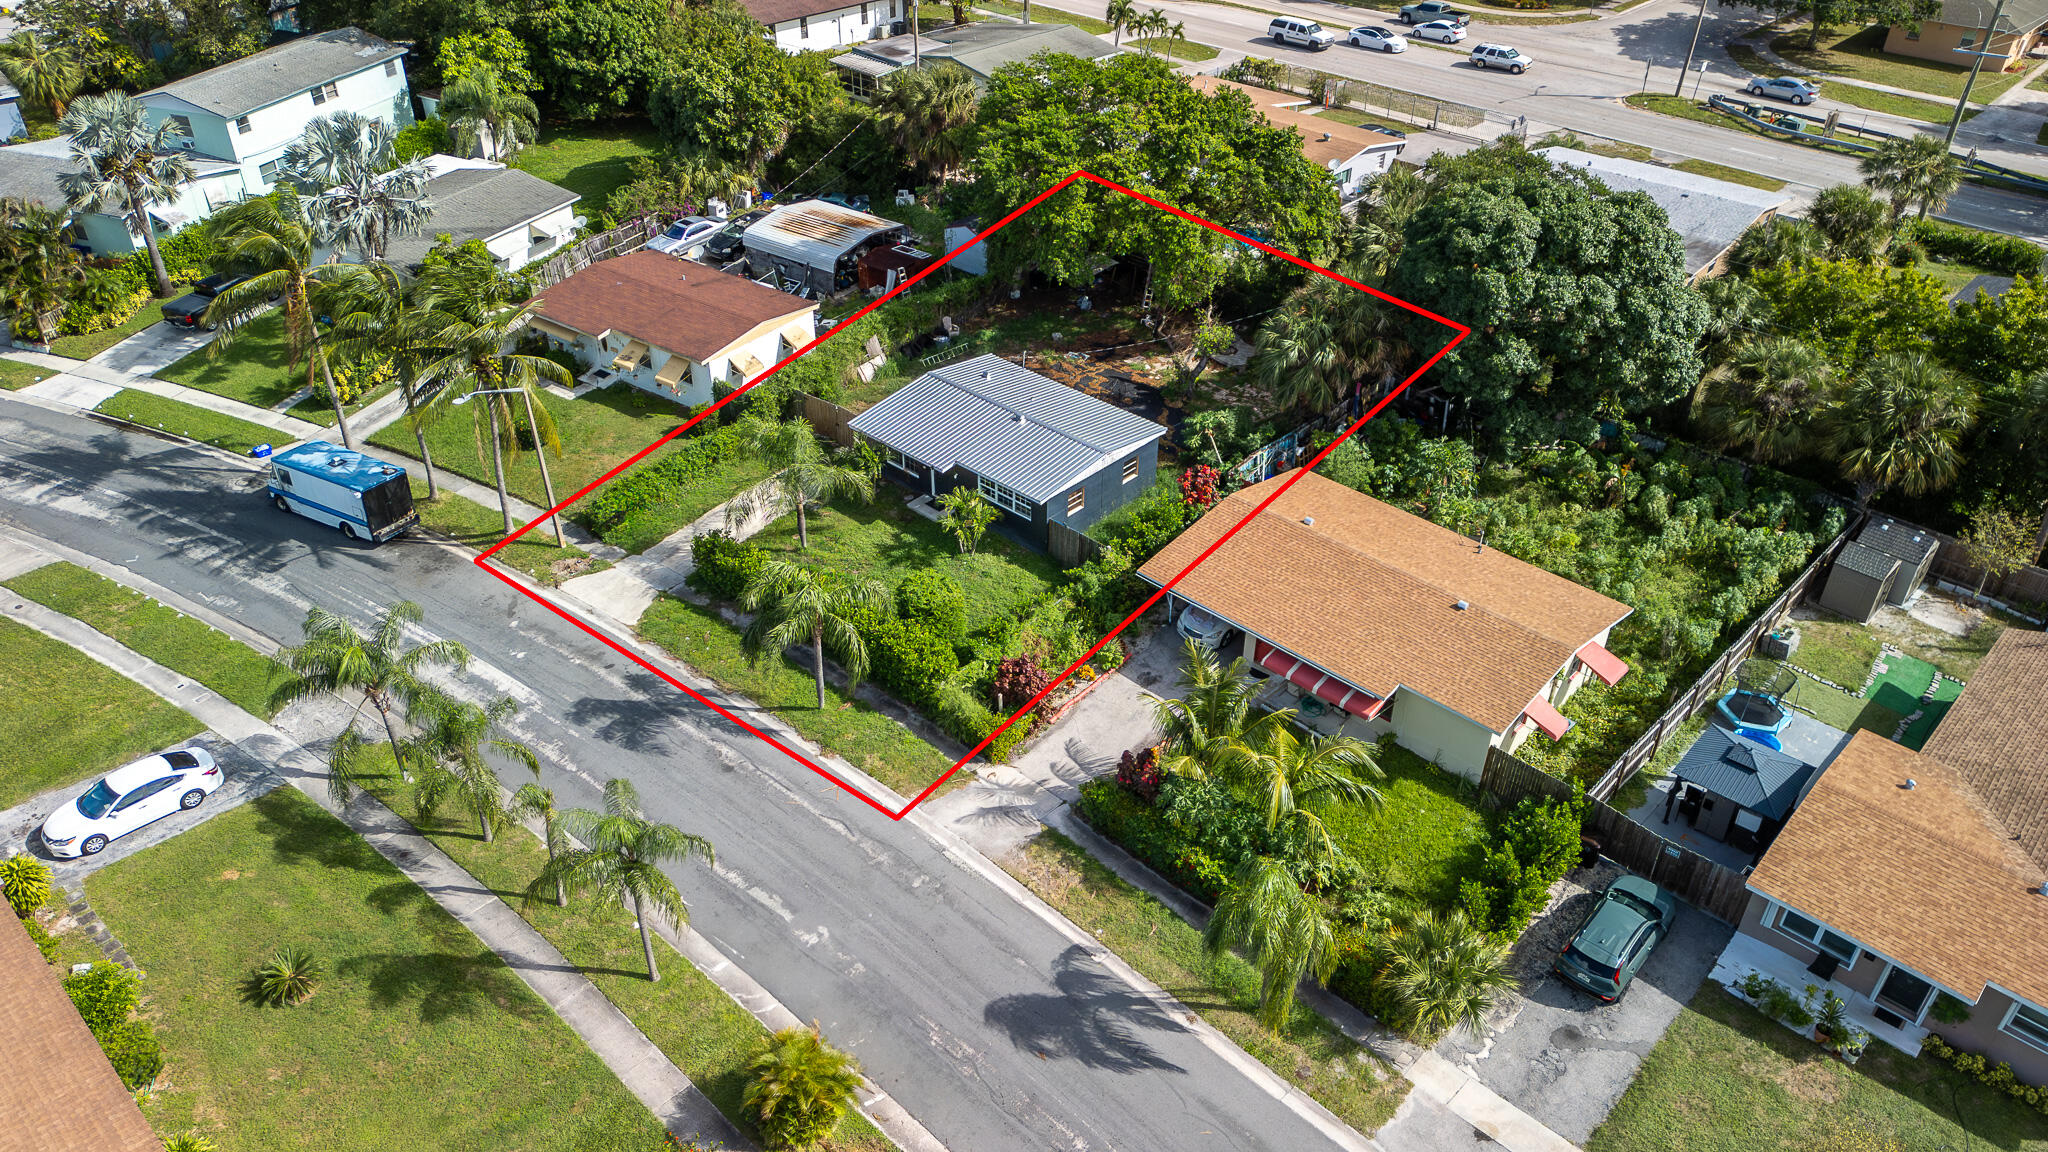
(364, 497)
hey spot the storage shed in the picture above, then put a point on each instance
(1913, 547)
(1736, 790)
(815, 244)
(1861, 579)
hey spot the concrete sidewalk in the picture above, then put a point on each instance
(87, 383)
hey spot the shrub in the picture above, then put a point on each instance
(44, 942)
(1949, 1010)
(2006, 255)
(935, 600)
(109, 296)
(1545, 834)
(908, 659)
(724, 565)
(1139, 774)
(1146, 524)
(26, 881)
(1198, 486)
(104, 995)
(1017, 679)
(700, 456)
(189, 1142)
(189, 254)
(1998, 1075)
(131, 1047)
(288, 978)
(799, 1088)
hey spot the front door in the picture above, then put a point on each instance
(1904, 993)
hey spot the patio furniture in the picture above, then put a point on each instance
(1824, 965)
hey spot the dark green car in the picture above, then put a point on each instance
(1619, 934)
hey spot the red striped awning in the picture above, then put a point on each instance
(1272, 659)
(1606, 665)
(1549, 719)
(1306, 676)
(1326, 688)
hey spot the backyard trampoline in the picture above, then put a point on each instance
(1756, 708)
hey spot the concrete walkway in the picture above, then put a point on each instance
(624, 591)
(88, 383)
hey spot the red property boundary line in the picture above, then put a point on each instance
(482, 561)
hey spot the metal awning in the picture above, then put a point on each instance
(553, 329)
(1606, 665)
(796, 334)
(674, 370)
(1314, 680)
(630, 358)
(1549, 719)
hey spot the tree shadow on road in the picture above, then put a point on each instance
(1095, 1019)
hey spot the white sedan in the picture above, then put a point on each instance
(1442, 31)
(129, 798)
(1368, 36)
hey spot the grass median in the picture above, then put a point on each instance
(476, 527)
(15, 375)
(189, 421)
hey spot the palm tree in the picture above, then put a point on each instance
(38, 267)
(1149, 28)
(1779, 240)
(47, 72)
(804, 474)
(1440, 972)
(269, 235)
(342, 167)
(372, 313)
(967, 515)
(486, 118)
(1734, 307)
(1766, 398)
(623, 863)
(1371, 238)
(800, 1087)
(1212, 723)
(534, 801)
(1119, 15)
(126, 167)
(1912, 169)
(1293, 779)
(927, 113)
(1899, 423)
(449, 754)
(1853, 224)
(793, 605)
(337, 658)
(1296, 358)
(1283, 930)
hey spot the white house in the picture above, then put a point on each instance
(30, 171)
(675, 328)
(1352, 155)
(248, 111)
(518, 216)
(818, 25)
(11, 123)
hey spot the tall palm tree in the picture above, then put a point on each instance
(270, 235)
(1294, 779)
(800, 1087)
(1767, 398)
(449, 755)
(1297, 361)
(125, 167)
(45, 71)
(337, 658)
(804, 474)
(38, 268)
(792, 605)
(1779, 240)
(1853, 224)
(928, 113)
(623, 862)
(1119, 15)
(1734, 308)
(1899, 423)
(1913, 169)
(1439, 972)
(535, 802)
(372, 313)
(1212, 722)
(358, 199)
(488, 119)
(1283, 930)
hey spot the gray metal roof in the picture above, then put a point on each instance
(981, 47)
(1765, 782)
(478, 204)
(1007, 423)
(1894, 538)
(1865, 561)
(815, 233)
(1709, 215)
(2019, 15)
(262, 79)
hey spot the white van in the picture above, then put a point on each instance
(1307, 33)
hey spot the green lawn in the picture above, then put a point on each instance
(1732, 175)
(1040, 14)
(418, 1037)
(591, 160)
(1837, 649)
(69, 717)
(1423, 840)
(1726, 1079)
(688, 1017)
(165, 635)
(251, 369)
(1178, 49)
(869, 740)
(1889, 103)
(16, 375)
(1858, 54)
(1310, 1054)
(189, 421)
(1686, 109)
(91, 344)
(474, 526)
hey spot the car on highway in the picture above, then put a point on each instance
(1370, 36)
(129, 798)
(1441, 31)
(1796, 89)
(1624, 926)
(1306, 33)
(1429, 10)
(1500, 56)
(189, 310)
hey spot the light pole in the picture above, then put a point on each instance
(498, 463)
(1690, 50)
(1976, 65)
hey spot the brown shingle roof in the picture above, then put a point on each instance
(1924, 875)
(1369, 593)
(1323, 141)
(59, 1094)
(1996, 736)
(671, 304)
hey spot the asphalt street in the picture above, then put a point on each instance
(993, 1028)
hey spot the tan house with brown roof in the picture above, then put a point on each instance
(672, 327)
(1351, 154)
(59, 1094)
(1906, 874)
(1958, 30)
(1384, 622)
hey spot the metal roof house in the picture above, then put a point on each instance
(1039, 450)
(981, 48)
(815, 244)
(1741, 792)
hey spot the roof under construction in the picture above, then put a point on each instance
(815, 232)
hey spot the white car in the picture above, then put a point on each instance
(129, 798)
(685, 235)
(1368, 36)
(1204, 629)
(1442, 31)
(1500, 56)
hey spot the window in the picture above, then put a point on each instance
(1003, 497)
(863, 12)
(144, 793)
(2029, 1024)
(1912, 31)
(1077, 500)
(1793, 924)
(899, 460)
(1130, 469)
(324, 93)
(182, 125)
(282, 478)
(268, 170)
(242, 125)
(1904, 991)
(1969, 39)
(391, 67)
(319, 97)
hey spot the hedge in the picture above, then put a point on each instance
(1997, 1074)
(935, 600)
(2006, 255)
(724, 566)
(703, 455)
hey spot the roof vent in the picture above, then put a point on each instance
(984, 374)
(1326, 136)
(1461, 605)
(1310, 521)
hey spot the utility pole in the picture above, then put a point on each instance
(916, 56)
(1690, 50)
(1980, 51)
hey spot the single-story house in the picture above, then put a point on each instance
(1037, 449)
(518, 216)
(671, 327)
(59, 1091)
(1905, 874)
(981, 48)
(1740, 791)
(1886, 564)
(816, 244)
(818, 25)
(11, 123)
(30, 172)
(1352, 154)
(1709, 215)
(1958, 29)
(1398, 624)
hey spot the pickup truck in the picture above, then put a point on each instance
(1428, 10)
(187, 311)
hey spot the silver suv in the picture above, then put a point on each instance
(1499, 56)
(1307, 33)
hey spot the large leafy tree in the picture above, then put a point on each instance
(1899, 425)
(496, 49)
(1577, 298)
(624, 861)
(38, 268)
(1853, 309)
(1136, 122)
(44, 70)
(1283, 930)
(794, 605)
(732, 95)
(125, 167)
(601, 57)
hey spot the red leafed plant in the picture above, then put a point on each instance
(1139, 774)
(1017, 679)
(1198, 486)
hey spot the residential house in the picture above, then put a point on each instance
(30, 172)
(59, 1090)
(1351, 154)
(980, 48)
(1371, 620)
(1959, 29)
(247, 111)
(1907, 874)
(12, 125)
(674, 328)
(1709, 215)
(1040, 451)
(517, 215)
(818, 25)
(816, 245)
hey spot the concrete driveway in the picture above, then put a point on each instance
(1562, 1056)
(153, 349)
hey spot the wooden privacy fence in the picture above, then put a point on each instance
(831, 420)
(1707, 688)
(603, 246)
(1072, 549)
(2027, 587)
(1715, 889)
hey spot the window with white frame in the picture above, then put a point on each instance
(391, 67)
(1130, 469)
(268, 169)
(899, 460)
(1003, 497)
(242, 126)
(325, 92)
(2028, 1024)
(1833, 943)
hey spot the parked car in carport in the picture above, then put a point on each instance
(1625, 925)
(730, 240)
